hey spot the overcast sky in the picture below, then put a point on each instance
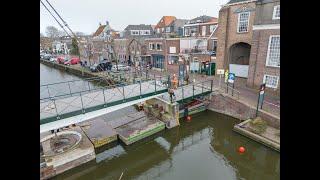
(85, 15)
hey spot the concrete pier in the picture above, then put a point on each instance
(139, 129)
(99, 132)
(268, 138)
(65, 150)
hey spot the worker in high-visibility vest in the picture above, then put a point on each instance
(226, 76)
(175, 81)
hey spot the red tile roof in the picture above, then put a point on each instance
(165, 21)
(99, 30)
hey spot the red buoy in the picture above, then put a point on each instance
(188, 118)
(241, 149)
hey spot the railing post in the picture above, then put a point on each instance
(55, 107)
(155, 84)
(104, 98)
(211, 85)
(83, 110)
(182, 94)
(193, 91)
(48, 90)
(69, 88)
(202, 87)
(124, 97)
(89, 85)
(140, 89)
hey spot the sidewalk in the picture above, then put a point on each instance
(248, 95)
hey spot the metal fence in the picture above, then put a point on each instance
(68, 101)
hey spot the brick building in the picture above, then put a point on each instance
(156, 53)
(202, 26)
(120, 47)
(264, 65)
(136, 48)
(235, 36)
(173, 59)
(170, 27)
(249, 41)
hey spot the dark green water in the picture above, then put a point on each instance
(203, 149)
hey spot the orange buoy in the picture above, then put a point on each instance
(188, 118)
(241, 149)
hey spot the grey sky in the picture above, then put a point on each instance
(85, 15)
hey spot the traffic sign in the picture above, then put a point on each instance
(231, 78)
(220, 71)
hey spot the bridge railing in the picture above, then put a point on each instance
(70, 87)
(74, 103)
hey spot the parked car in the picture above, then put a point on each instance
(97, 68)
(47, 56)
(42, 55)
(62, 59)
(121, 67)
(53, 59)
(72, 61)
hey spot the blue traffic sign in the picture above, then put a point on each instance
(231, 77)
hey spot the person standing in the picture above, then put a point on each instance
(175, 81)
(171, 93)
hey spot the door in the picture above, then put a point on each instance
(212, 70)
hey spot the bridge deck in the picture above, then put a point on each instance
(96, 99)
(81, 107)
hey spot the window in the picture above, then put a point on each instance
(214, 46)
(158, 30)
(273, 55)
(167, 29)
(212, 28)
(243, 22)
(162, 29)
(172, 50)
(204, 29)
(271, 81)
(276, 12)
(145, 32)
(173, 60)
(186, 32)
(151, 46)
(134, 32)
(159, 46)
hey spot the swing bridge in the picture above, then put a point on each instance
(70, 102)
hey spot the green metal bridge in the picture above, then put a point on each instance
(70, 102)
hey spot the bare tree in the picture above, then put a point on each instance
(62, 33)
(52, 32)
(79, 33)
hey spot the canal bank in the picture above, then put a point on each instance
(111, 78)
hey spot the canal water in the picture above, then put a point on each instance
(203, 149)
